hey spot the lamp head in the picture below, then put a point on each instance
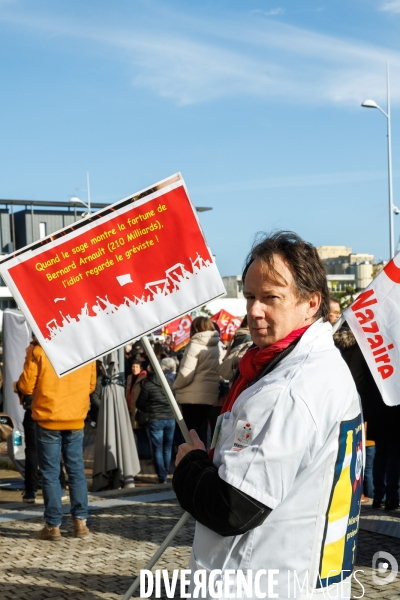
(369, 104)
(76, 200)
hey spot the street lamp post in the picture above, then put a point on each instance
(88, 190)
(392, 209)
(75, 199)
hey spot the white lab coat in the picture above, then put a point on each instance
(302, 459)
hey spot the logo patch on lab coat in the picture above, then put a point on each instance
(243, 436)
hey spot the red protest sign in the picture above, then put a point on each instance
(227, 324)
(114, 276)
(182, 334)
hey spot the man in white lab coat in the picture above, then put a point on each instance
(277, 499)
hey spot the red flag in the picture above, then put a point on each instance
(227, 324)
(182, 335)
(171, 327)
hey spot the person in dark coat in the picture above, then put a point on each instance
(238, 346)
(161, 422)
(95, 396)
(383, 426)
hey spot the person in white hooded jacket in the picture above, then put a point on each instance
(197, 382)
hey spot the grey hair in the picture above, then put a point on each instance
(168, 363)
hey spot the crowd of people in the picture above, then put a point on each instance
(199, 377)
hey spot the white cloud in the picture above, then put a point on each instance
(192, 60)
(320, 179)
(269, 13)
(392, 6)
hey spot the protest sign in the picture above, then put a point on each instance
(114, 276)
(227, 324)
(374, 318)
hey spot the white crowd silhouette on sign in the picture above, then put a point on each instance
(176, 280)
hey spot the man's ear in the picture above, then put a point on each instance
(314, 302)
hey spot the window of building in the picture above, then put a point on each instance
(7, 304)
(42, 230)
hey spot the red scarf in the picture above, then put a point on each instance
(254, 361)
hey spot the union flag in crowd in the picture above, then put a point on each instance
(227, 324)
(180, 331)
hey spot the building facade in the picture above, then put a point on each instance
(344, 270)
(332, 251)
(234, 286)
(33, 226)
(347, 269)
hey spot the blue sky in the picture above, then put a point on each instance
(256, 102)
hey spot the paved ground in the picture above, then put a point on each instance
(123, 538)
(121, 542)
(369, 544)
(126, 529)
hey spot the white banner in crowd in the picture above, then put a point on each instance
(114, 276)
(375, 321)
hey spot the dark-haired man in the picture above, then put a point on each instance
(282, 492)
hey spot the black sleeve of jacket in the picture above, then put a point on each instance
(213, 502)
(141, 402)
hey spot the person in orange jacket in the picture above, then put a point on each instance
(59, 407)
(31, 474)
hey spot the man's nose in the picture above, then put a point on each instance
(255, 311)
